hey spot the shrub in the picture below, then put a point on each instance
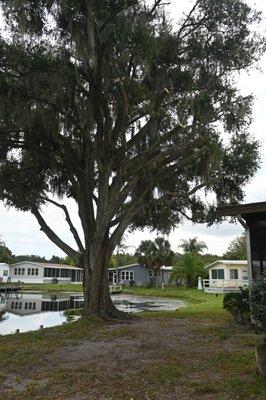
(188, 269)
(238, 305)
(258, 305)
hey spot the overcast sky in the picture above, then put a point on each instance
(21, 233)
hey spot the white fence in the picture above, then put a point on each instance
(224, 284)
(115, 289)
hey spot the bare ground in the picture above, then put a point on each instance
(145, 359)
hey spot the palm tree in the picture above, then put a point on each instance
(188, 269)
(155, 254)
(145, 253)
(193, 245)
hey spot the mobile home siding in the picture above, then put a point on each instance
(31, 272)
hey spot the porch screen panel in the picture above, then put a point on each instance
(258, 249)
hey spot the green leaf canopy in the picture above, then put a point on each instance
(107, 103)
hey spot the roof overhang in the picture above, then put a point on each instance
(46, 265)
(241, 209)
(226, 262)
(124, 267)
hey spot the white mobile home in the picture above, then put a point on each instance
(226, 276)
(35, 272)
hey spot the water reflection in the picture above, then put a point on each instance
(27, 311)
(133, 304)
(33, 303)
(11, 322)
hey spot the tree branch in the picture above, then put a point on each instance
(184, 25)
(68, 219)
(156, 4)
(196, 188)
(53, 236)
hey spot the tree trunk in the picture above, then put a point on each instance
(158, 277)
(97, 300)
(261, 358)
(189, 282)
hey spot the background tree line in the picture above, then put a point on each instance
(6, 256)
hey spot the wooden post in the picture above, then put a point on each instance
(250, 278)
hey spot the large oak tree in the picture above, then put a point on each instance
(136, 120)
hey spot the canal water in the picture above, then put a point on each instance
(28, 311)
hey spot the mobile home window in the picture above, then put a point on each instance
(29, 271)
(127, 275)
(36, 271)
(218, 274)
(23, 271)
(233, 274)
(15, 271)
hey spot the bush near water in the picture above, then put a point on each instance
(238, 305)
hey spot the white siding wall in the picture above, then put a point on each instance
(25, 277)
(226, 267)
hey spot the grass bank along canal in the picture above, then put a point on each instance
(28, 311)
(196, 352)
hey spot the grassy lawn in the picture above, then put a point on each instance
(196, 301)
(193, 353)
(53, 288)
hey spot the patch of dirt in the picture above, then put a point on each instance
(151, 342)
(20, 384)
(146, 359)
